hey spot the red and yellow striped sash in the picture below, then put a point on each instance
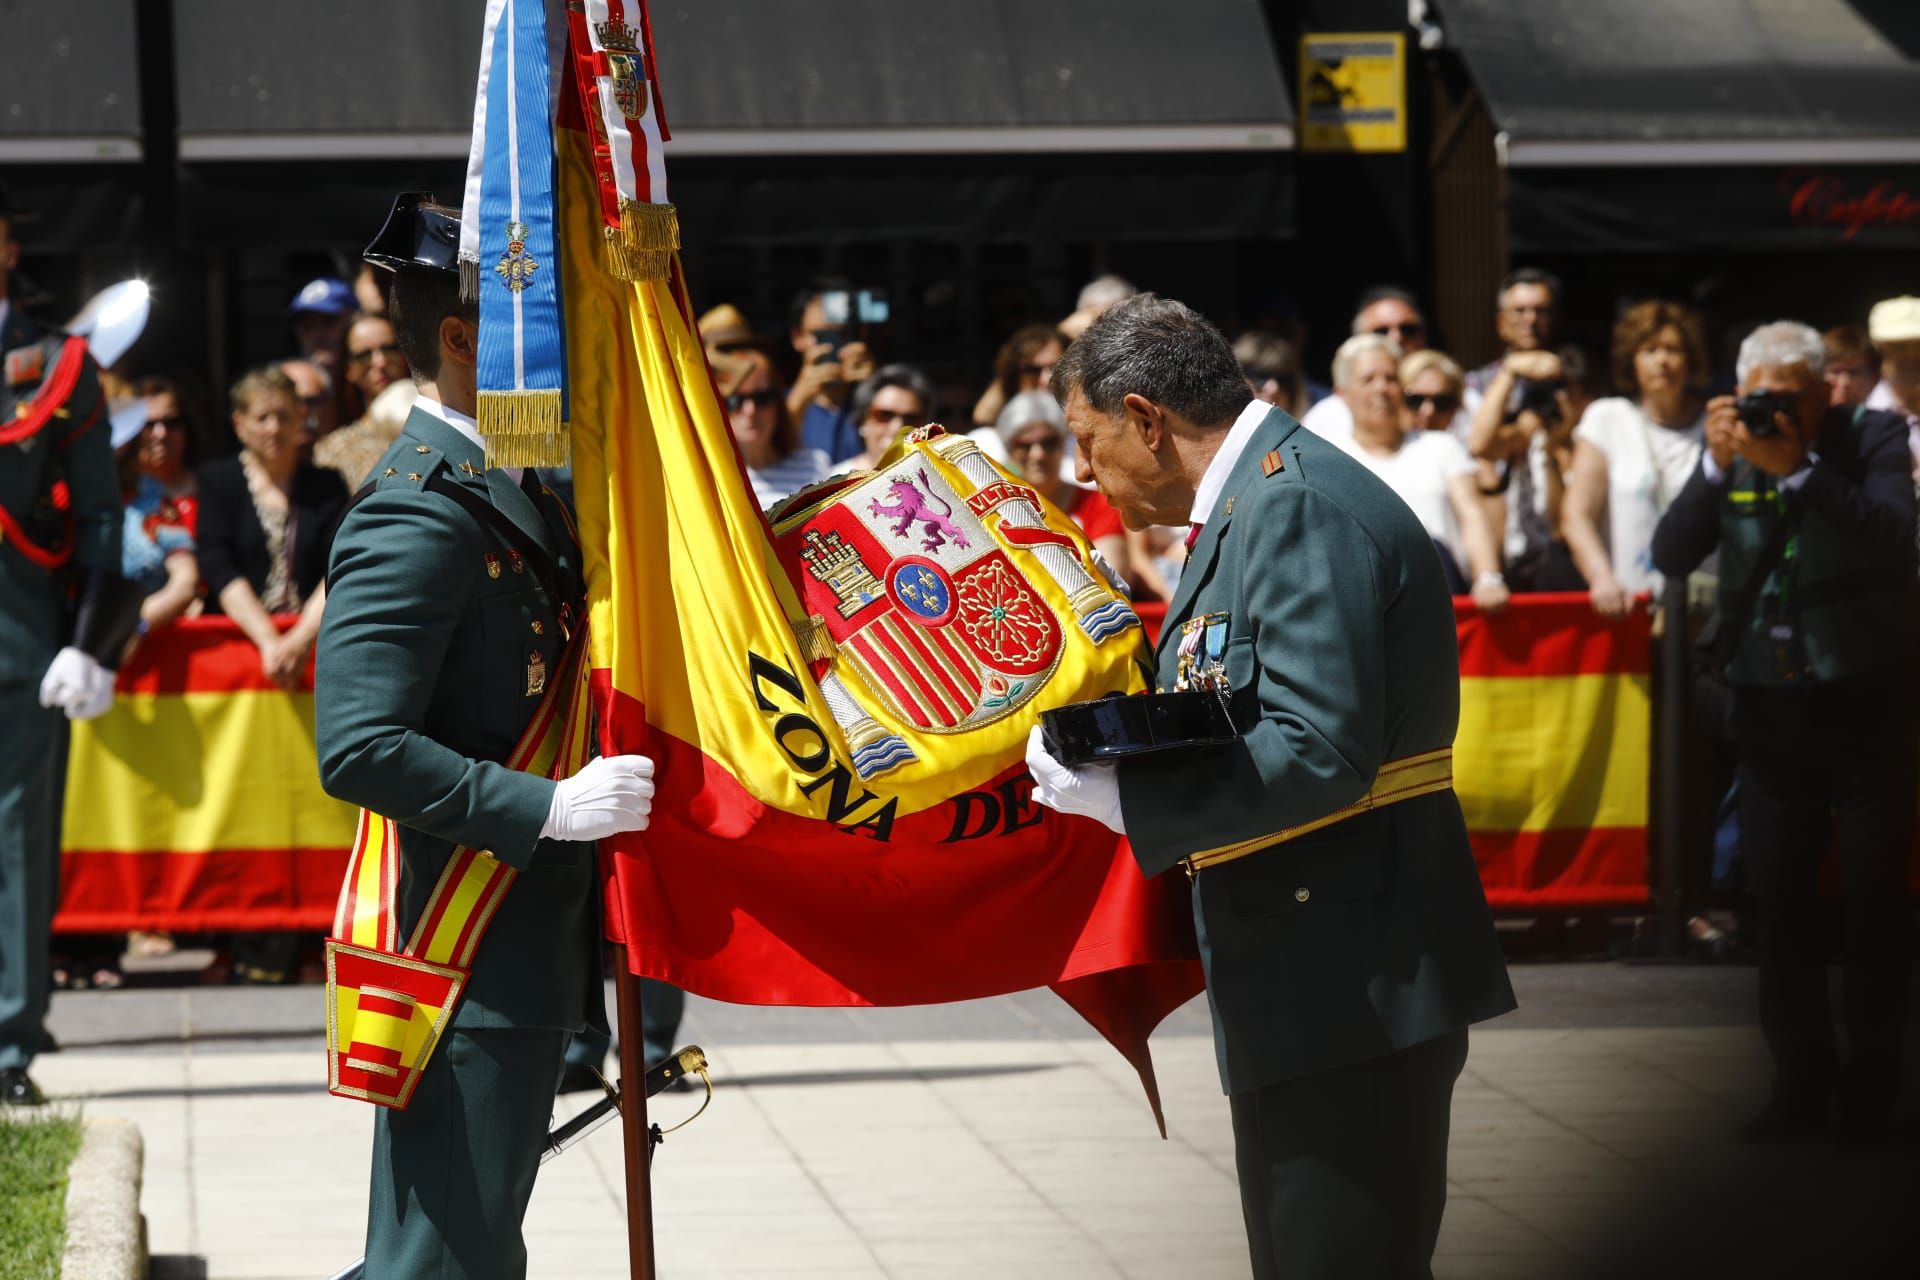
(388, 1004)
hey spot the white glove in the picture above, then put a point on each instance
(73, 680)
(97, 698)
(1088, 790)
(610, 795)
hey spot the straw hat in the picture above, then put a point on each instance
(1895, 320)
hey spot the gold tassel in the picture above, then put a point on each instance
(643, 245)
(523, 429)
(469, 280)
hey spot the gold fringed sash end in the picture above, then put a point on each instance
(643, 245)
(469, 280)
(523, 429)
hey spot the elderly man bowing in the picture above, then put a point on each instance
(1346, 936)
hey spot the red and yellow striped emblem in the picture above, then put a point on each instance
(388, 1004)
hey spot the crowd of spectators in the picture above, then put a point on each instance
(1547, 469)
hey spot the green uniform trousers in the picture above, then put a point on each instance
(1343, 1173)
(452, 1174)
(32, 776)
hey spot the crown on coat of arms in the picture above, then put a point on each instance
(616, 36)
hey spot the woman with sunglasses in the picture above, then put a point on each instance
(1429, 470)
(1431, 385)
(769, 441)
(1034, 431)
(162, 507)
(1025, 363)
(897, 398)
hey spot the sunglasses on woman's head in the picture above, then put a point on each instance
(750, 399)
(1443, 401)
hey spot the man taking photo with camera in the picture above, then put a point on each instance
(1811, 508)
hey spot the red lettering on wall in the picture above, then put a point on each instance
(1831, 201)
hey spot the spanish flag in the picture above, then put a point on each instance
(837, 701)
(1551, 759)
(194, 804)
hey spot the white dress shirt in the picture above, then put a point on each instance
(466, 426)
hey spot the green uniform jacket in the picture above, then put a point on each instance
(1373, 934)
(75, 446)
(421, 691)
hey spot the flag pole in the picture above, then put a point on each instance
(634, 1125)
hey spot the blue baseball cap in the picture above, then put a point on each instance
(326, 295)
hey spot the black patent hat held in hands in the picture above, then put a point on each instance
(421, 235)
(1116, 727)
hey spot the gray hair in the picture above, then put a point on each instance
(1103, 292)
(1777, 345)
(892, 375)
(1026, 409)
(1155, 347)
(1355, 347)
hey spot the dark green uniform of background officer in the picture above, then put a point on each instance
(1344, 966)
(436, 643)
(48, 557)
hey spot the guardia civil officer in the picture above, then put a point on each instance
(1346, 937)
(430, 663)
(1812, 511)
(65, 615)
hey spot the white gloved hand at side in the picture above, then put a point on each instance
(1087, 790)
(76, 684)
(609, 795)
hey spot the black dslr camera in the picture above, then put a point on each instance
(1757, 410)
(1535, 395)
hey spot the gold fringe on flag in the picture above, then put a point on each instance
(643, 245)
(469, 280)
(523, 429)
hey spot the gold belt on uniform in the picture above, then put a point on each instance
(1403, 779)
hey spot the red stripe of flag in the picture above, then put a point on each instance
(1555, 636)
(941, 664)
(371, 1003)
(882, 670)
(891, 644)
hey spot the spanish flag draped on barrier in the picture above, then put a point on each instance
(837, 703)
(1551, 760)
(195, 804)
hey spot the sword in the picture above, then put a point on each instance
(688, 1061)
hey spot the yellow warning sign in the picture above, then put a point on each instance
(1353, 91)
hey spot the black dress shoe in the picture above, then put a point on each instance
(1785, 1122)
(17, 1088)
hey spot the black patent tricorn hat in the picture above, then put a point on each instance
(421, 234)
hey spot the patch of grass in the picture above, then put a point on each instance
(35, 1149)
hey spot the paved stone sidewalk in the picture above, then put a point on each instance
(992, 1138)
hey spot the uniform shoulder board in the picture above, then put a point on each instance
(1272, 463)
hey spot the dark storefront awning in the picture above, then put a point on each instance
(373, 79)
(1747, 124)
(69, 91)
(348, 79)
